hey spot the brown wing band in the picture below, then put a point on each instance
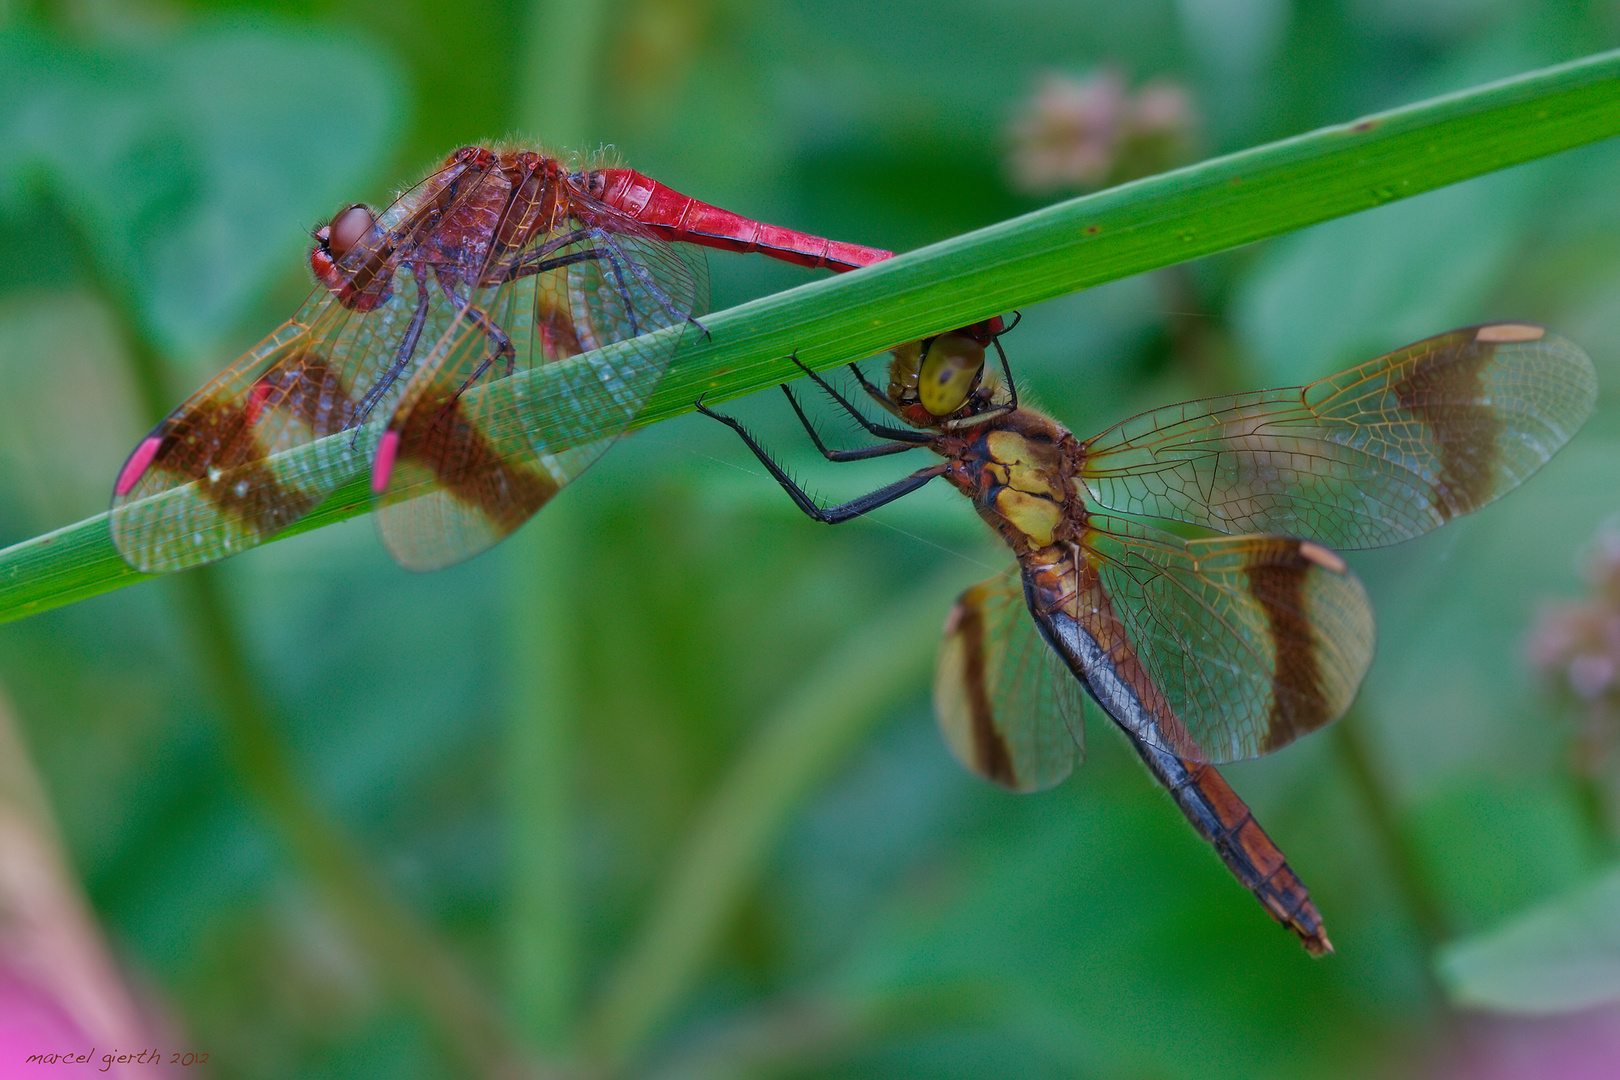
(1298, 701)
(1446, 391)
(991, 756)
(215, 445)
(439, 435)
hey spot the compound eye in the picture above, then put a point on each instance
(950, 371)
(903, 372)
(348, 228)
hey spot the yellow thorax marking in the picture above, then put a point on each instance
(1024, 467)
(1034, 516)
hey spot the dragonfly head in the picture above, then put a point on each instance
(336, 239)
(942, 378)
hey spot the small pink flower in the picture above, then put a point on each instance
(1088, 133)
(1577, 645)
(31, 1022)
(1577, 1046)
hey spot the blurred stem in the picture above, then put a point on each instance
(1591, 755)
(1196, 338)
(560, 76)
(1413, 884)
(793, 1036)
(399, 949)
(545, 700)
(555, 96)
(1592, 800)
(813, 729)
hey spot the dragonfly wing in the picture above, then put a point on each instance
(1371, 456)
(232, 466)
(1214, 649)
(269, 438)
(460, 468)
(1008, 707)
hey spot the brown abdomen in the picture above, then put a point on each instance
(1226, 822)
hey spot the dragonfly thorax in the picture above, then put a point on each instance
(1017, 474)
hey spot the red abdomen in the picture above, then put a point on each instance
(678, 217)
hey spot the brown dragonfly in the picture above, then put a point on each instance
(1229, 644)
(499, 262)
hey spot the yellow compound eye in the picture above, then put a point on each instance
(903, 372)
(949, 373)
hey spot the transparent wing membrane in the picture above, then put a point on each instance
(1381, 453)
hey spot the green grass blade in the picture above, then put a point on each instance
(1199, 210)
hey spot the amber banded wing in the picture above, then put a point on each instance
(266, 440)
(218, 474)
(1371, 456)
(1213, 649)
(1006, 704)
(459, 468)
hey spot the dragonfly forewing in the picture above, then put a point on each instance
(1378, 454)
(217, 475)
(458, 468)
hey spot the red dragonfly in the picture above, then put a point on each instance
(498, 262)
(1228, 645)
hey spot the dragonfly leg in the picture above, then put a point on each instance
(526, 267)
(877, 395)
(402, 355)
(1006, 369)
(503, 344)
(539, 260)
(832, 515)
(905, 435)
(910, 441)
(615, 257)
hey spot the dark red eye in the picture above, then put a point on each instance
(348, 228)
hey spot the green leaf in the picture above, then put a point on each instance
(1196, 211)
(180, 156)
(1556, 957)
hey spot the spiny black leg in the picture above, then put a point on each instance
(881, 450)
(876, 394)
(880, 430)
(832, 515)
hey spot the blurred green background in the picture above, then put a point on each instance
(653, 789)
